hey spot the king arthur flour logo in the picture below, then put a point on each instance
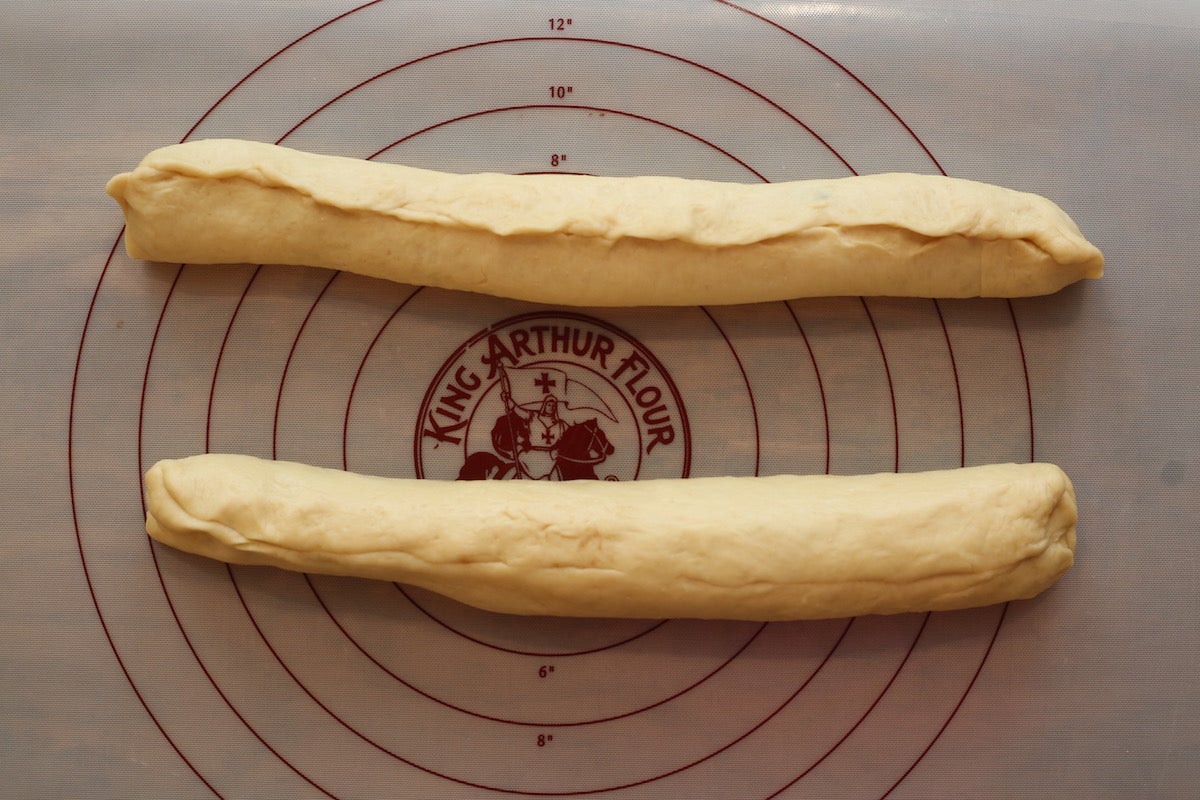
(552, 396)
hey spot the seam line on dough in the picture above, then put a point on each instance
(262, 546)
(258, 177)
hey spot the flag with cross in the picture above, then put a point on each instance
(528, 388)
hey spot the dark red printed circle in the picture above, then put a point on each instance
(552, 396)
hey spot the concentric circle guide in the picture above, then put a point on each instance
(411, 689)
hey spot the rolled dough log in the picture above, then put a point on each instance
(774, 548)
(595, 241)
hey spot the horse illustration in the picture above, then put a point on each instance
(575, 455)
(485, 466)
(581, 448)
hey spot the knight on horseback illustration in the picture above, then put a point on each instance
(542, 434)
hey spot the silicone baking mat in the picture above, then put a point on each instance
(131, 670)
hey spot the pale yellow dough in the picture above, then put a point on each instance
(773, 548)
(595, 241)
